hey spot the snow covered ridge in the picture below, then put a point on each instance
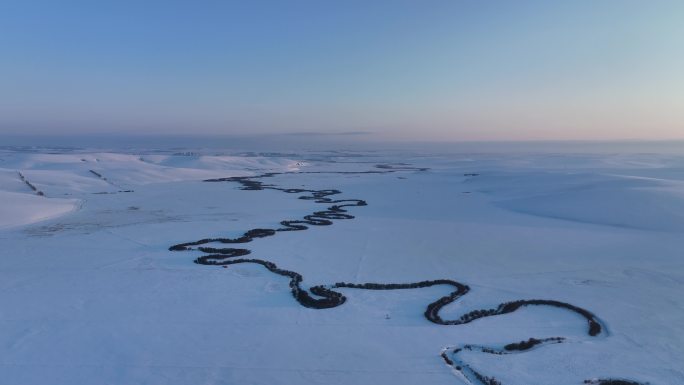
(18, 209)
(65, 179)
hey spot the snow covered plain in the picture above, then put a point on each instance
(91, 294)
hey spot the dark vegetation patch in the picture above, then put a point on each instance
(530, 343)
(100, 176)
(30, 185)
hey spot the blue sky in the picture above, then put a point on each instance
(407, 70)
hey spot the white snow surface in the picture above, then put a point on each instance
(90, 293)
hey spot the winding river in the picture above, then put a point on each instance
(325, 296)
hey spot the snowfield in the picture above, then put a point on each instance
(550, 268)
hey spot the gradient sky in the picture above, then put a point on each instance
(409, 70)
